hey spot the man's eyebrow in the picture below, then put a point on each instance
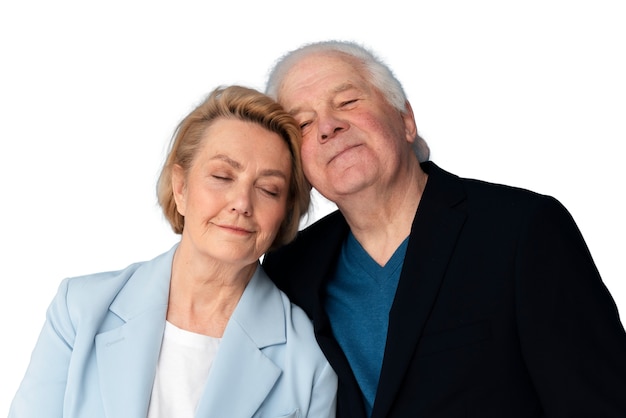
(344, 87)
(339, 89)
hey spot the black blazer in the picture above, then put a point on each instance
(500, 311)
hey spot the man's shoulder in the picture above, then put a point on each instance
(484, 195)
(327, 229)
(303, 262)
(493, 204)
(489, 191)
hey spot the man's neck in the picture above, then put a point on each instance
(381, 220)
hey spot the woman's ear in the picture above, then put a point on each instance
(179, 188)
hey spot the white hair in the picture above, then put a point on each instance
(378, 74)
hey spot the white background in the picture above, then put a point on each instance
(531, 94)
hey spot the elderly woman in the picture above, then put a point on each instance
(199, 331)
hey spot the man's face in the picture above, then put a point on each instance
(353, 139)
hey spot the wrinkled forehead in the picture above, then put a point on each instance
(317, 73)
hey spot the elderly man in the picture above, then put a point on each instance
(434, 295)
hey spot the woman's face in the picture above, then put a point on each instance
(234, 196)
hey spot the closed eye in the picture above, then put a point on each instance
(270, 192)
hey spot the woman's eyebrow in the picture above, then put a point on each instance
(237, 165)
(227, 160)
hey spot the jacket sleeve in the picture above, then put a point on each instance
(571, 336)
(42, 390)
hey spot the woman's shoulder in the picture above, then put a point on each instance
(91, 293)
(95, 285)
(298, 325)
(300, 332)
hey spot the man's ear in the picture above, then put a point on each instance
(410, 127)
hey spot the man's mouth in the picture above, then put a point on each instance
(343, 151)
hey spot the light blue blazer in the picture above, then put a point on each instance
(97, 353)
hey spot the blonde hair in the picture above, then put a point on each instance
(244, 104)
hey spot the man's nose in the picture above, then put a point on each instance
(329, 125)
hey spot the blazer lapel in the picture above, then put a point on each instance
(127, 355)
(434, 233)
(242, 375)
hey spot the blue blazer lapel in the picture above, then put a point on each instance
(127, 354)
(242, 375)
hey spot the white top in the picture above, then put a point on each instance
(181, 373)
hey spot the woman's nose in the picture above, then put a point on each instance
(241, 202)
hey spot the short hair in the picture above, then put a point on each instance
(374, 69)
(245, 104)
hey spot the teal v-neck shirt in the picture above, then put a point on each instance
(358, 302)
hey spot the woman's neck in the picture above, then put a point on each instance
(203, 296)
